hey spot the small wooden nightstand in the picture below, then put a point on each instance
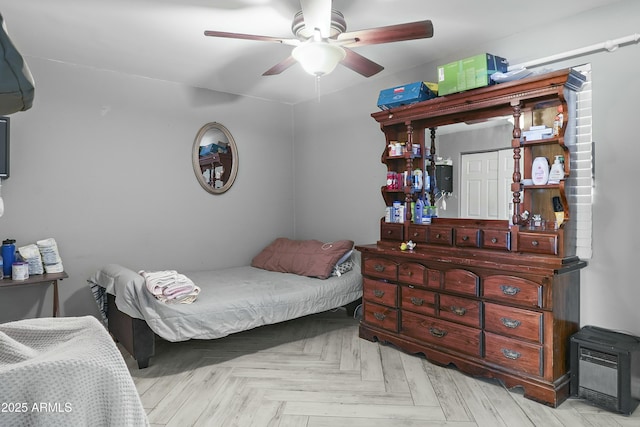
(39, 279)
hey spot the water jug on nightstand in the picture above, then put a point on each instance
(8, 256)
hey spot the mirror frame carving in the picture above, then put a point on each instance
(195, 157)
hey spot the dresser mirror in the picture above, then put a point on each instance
(482, 160)
(215, 158)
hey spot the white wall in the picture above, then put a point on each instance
(338, 148)
(102, 163)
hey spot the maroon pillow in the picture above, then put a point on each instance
(311, 258)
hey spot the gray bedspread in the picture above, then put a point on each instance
(231, 299)
(64, 372)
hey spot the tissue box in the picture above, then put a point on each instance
(536, 133)
(406, 94)
(469, 73)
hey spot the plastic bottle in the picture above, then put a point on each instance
(389, 180)
(8, 256)
(430, 212)
(418, 211)
(397, 214)
(417, 180)
(557, 171)
(558, 121)
(540, 171)
(558, 210)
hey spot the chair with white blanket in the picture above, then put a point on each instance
(65, 372)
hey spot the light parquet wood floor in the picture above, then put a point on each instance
(316, 372)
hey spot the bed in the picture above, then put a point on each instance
(270, 290)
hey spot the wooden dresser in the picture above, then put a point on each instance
(495, 298)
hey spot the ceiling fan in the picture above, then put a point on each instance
(321, 41)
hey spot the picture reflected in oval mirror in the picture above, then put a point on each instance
(215, 158)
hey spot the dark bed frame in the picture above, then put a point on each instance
(133, 334)
(138, 338)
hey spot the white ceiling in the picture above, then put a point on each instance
(163, 39)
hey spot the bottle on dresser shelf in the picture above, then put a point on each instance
(558, 121)
(540, 171)
(557, 171)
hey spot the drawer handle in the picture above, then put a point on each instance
(438, 333)
(415, 234)
(465, 238)
(509, 290)
(410, 273)
(379, 268)
(535, 243)
(417, 301)
(438, 236)
(510, 323)
(378, 293)
(494, 240)
(389, 232)
(510, 354)
(379, 316)
(460, 311)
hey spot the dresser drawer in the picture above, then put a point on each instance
(418, 233)
(412, 273)
(496, 239)
(538, 243)
(514, 322)
(380, 316)
(513, 354)
(380, 267)
(440, 235)
(463, 339)
(462, 310)
(469, 237)
(514, 290)
(380, 292)
(418, 300)
(462, 281)
(392, 231)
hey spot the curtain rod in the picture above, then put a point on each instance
(609, 45)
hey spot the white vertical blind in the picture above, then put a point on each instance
(581, 181)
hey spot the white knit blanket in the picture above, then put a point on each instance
(64, 372)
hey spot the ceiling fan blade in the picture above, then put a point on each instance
(317, 14)
(224, 34)
(360, 64)
(280, 67)
(392, 33)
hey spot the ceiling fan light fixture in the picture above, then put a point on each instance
(318, 58)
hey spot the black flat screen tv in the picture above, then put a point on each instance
(4, 147)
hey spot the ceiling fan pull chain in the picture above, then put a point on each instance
(318, 87)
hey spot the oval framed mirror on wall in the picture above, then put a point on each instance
(215, 158)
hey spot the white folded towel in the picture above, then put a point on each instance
(170, 286)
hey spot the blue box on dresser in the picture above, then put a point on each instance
(406, 94)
